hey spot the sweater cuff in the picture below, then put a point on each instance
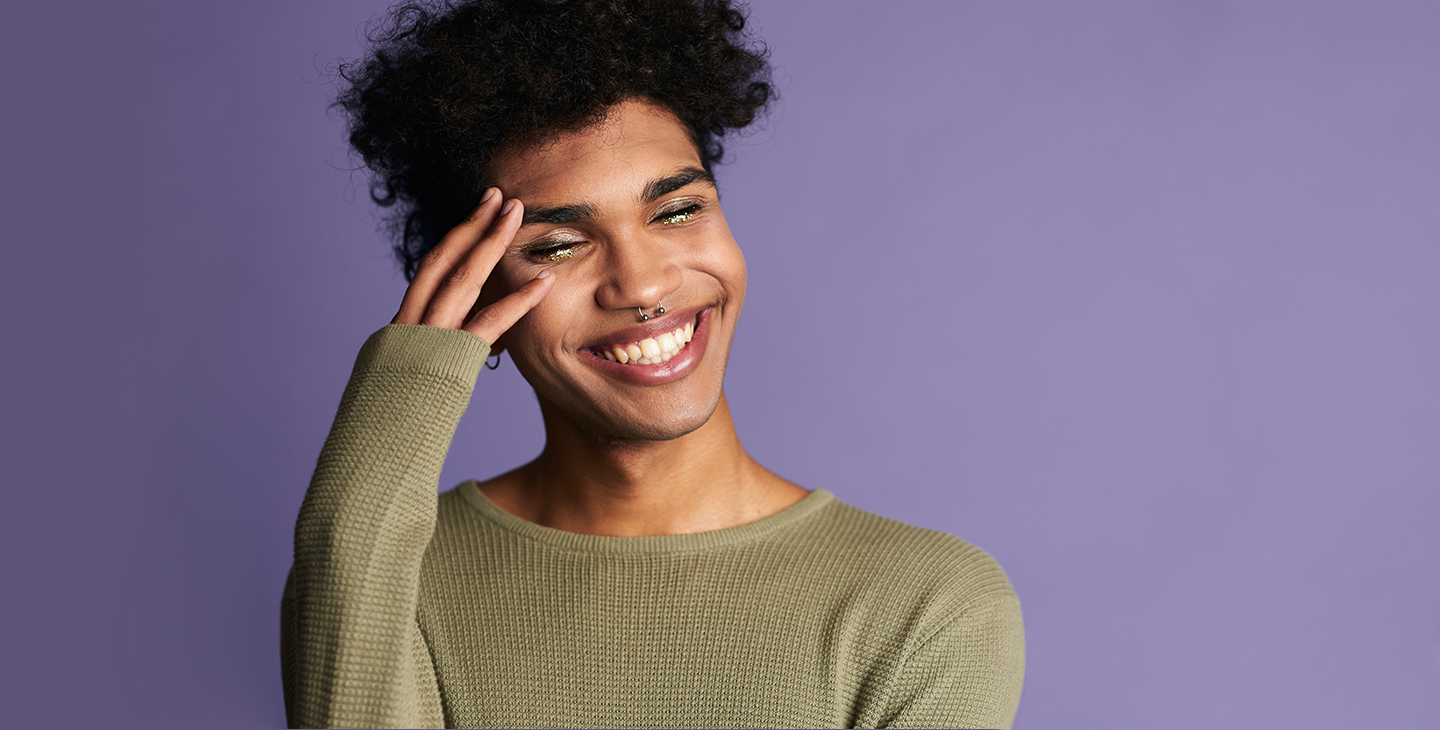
(412, 348)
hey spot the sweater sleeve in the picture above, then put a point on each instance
(968, 675)
(352, 651)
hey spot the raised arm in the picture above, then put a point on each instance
(352, 652)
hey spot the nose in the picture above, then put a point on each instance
(641, 271)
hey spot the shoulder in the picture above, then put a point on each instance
(925, 579)
(912, 556)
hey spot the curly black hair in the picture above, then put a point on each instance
(445, 86)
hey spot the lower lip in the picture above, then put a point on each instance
(677, 367)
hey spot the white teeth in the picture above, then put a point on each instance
(651, 350)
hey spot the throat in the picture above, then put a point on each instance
(699, 482)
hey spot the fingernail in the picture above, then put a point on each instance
(543, 275)
(489, 193)
(509, 205)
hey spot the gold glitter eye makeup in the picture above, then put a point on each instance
(551, 250)
(675, 218)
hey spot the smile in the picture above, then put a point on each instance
(650, 350)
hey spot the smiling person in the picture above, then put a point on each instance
(552, 164)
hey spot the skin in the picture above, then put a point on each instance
(622, 217)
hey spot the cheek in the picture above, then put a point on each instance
(727, 263)
(543, 328)
(725, 260)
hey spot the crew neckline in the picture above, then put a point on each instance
(807, 507)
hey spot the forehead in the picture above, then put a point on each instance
(638, 142)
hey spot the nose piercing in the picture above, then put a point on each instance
(659, 310)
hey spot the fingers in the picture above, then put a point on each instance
(451, 271)
(451, 276)
(492, 321)
(460, 287)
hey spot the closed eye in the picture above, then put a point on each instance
(677, 216)
(552, 250)
(558, 253)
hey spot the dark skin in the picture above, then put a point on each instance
(622, 217)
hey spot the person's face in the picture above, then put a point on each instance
(624, 216)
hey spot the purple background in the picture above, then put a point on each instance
(1140, 297)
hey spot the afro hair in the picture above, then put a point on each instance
(445, 86)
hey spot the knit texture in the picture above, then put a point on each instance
(404, 610)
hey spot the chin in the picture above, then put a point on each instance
(628, 425)
(666, 429)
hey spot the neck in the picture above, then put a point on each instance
(698, 482)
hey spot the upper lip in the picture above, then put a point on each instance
(656, 326)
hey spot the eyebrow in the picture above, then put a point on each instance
(560, 215)
(671, 183)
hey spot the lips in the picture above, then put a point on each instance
(649, 350)
(655, 352)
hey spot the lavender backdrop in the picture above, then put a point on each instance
(1140, 297)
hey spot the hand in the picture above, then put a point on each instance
(447, 285)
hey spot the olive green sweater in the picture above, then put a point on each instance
(411, 611)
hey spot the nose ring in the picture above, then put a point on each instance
(659, 310)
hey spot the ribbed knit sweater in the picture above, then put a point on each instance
(407, 610)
